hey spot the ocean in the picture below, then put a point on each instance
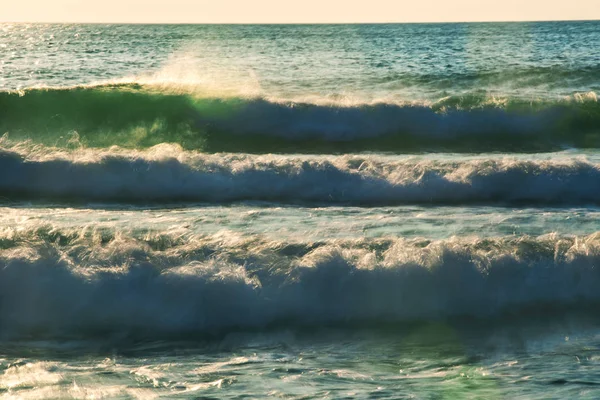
(300, 211)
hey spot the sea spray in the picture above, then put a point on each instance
(140, 116)
(155, 286)
(169, 174)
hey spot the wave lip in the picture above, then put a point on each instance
(140, 116)
(168, 174)
(158, 287)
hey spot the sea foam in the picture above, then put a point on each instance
(169, 174)
(95, 283)
(140, 116)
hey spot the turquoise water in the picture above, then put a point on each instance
(303, 211)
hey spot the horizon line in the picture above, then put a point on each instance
(300, 23)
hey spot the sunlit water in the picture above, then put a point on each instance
(336, 211)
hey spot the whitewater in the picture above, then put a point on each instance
(302, 211)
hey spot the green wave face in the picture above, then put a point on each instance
(99, 116)
(136, 116)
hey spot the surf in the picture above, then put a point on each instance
(139, 116)
(169, 174)
(88, 283)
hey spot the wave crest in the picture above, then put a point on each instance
(159, 285)
(138, 116)
(168, 174)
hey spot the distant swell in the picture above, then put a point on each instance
(168, 174)
(136, 116)
(88, 283)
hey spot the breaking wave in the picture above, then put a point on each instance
(166, 174)
(139, 116)
(87, 282)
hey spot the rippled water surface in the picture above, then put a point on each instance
(302, 211)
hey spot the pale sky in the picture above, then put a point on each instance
(297, 11)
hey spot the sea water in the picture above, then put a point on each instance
(300, 211)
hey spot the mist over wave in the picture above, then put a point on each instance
(139, 116)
